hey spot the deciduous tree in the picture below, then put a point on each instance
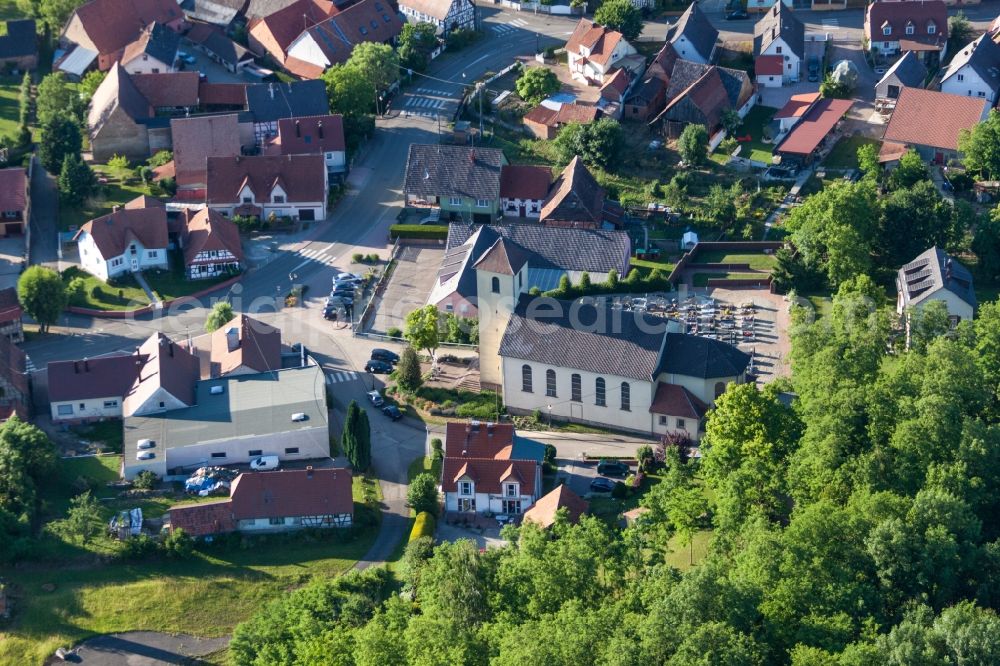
(408, 374)
(423, 330)
(693, 144)
(620, 15)
(220, 315)
(42, 294)
(536, 83)
(422, 494)
(60, 137)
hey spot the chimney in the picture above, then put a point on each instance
(232, 339)
(319, 128)
(309, 471)
(298, 129)
(114, 209)
(270, 89)
(86, 365)
(76, 367)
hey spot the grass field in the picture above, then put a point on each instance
(121, 187)
(685, 556)
(757, 261)
(206, 596)
(665, 266)
(173, 283)
(845, 154)
(701, 279)
(10, 108)
(754, 125)
(107, 297)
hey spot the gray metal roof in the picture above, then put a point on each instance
(434, 170)
(694, 25)
(695, 356)
(933, 270)
(218, 12)
(780, 21)
(908, 70)
(274, 101)
(983, 56)
(249, 405)
(585, 336)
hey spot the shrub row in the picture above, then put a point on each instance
(427, 231)
(423, 526)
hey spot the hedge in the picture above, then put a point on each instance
(429, 231)
(423, 526)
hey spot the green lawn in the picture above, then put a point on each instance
(127, 295)
(684, 557)
(701, 279)
(10, 107)
(122, 186)
(845, 154)
(754, 125)
(206, 596)
(757, 261)
(665, 266)
(174, 283)
(107, 433)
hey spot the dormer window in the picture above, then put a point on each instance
(278, 198)
(909, 29)
(887, 30)
(465, 488)
(931, 27)
(510, 490)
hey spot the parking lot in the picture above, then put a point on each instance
(409, 286)
(770, 344)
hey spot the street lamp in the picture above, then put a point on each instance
(550, 415)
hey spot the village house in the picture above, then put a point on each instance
(462, 181)
(90, 389)
(331, 42)
(488, 468)
(126, 240)
(701, 94)
(813, 132)
(15, 201)
(446, 15)
(313, 135)
(523, 189)
(794, 109)
(19, 45)
(590, 363)
(219, 13)
(693, 36)
(896, 27)
(907, 72)
(211, 245)
(197, 138)
(268, 103)
(543, 255)
(273, 34)
(266, 186)
(101, 30)
(779, 46)
(545, 511)
(649, 96)
(930, 122)
(593, 51)
(155, 51)
(544, 121)
(974, 71)
(244, 346)
(11, 326)
(613, 92)
(577, 200)
(279, 501)
(935, 276)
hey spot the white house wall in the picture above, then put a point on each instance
(791, 63)
(306, 49)
(152, 404)
(92, 408)
(971, 85)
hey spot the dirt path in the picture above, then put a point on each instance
(145, 648)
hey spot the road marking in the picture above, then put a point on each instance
(831, 23)
(520, 23)
(301, 265)
(338, 377)
(502, 29)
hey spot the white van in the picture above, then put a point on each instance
(264, 463)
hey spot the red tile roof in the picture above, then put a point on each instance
(168, 88)
(890, 151)
(292, 493)
(113, 232)
(10, 306)
(112, 24)
(674, 400)
(600, 40)
(814, 126)
(164, 365)
(288, 23)
(576, 197)
(366, 21)
(769, 65)
(524, 181)
(899, 14)
(204, 518)
(246, 342)
(101, 377)
(310, 134)
(567, 113)
(618, 82)
(198, 138)
(303, 69)
(931, 118)
(797, 105)
(207, 230)
(13, 189)
(478, 441)
(543, 511)
(488, 475)
(222, 94)
(301, 176)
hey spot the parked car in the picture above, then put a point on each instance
(264, 463)
(385, 355)
(348, 277)
(378, 367)
(813, 69)
(392, 411)
(375, 398)
(300, 416)
(602, 485)
(259, 72)
(612, 468)
(737, 15)
(186, 58)
(145, 455)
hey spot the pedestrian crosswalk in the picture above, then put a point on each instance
(343, 376)
(509, 27)
(319, 255)
(422, 105)
(831, 23)
(29, 366)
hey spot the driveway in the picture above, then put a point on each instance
(145, 648)
(44, 217)
(409, 286)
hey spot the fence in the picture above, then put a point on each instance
(687, 262)
(369, 312)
